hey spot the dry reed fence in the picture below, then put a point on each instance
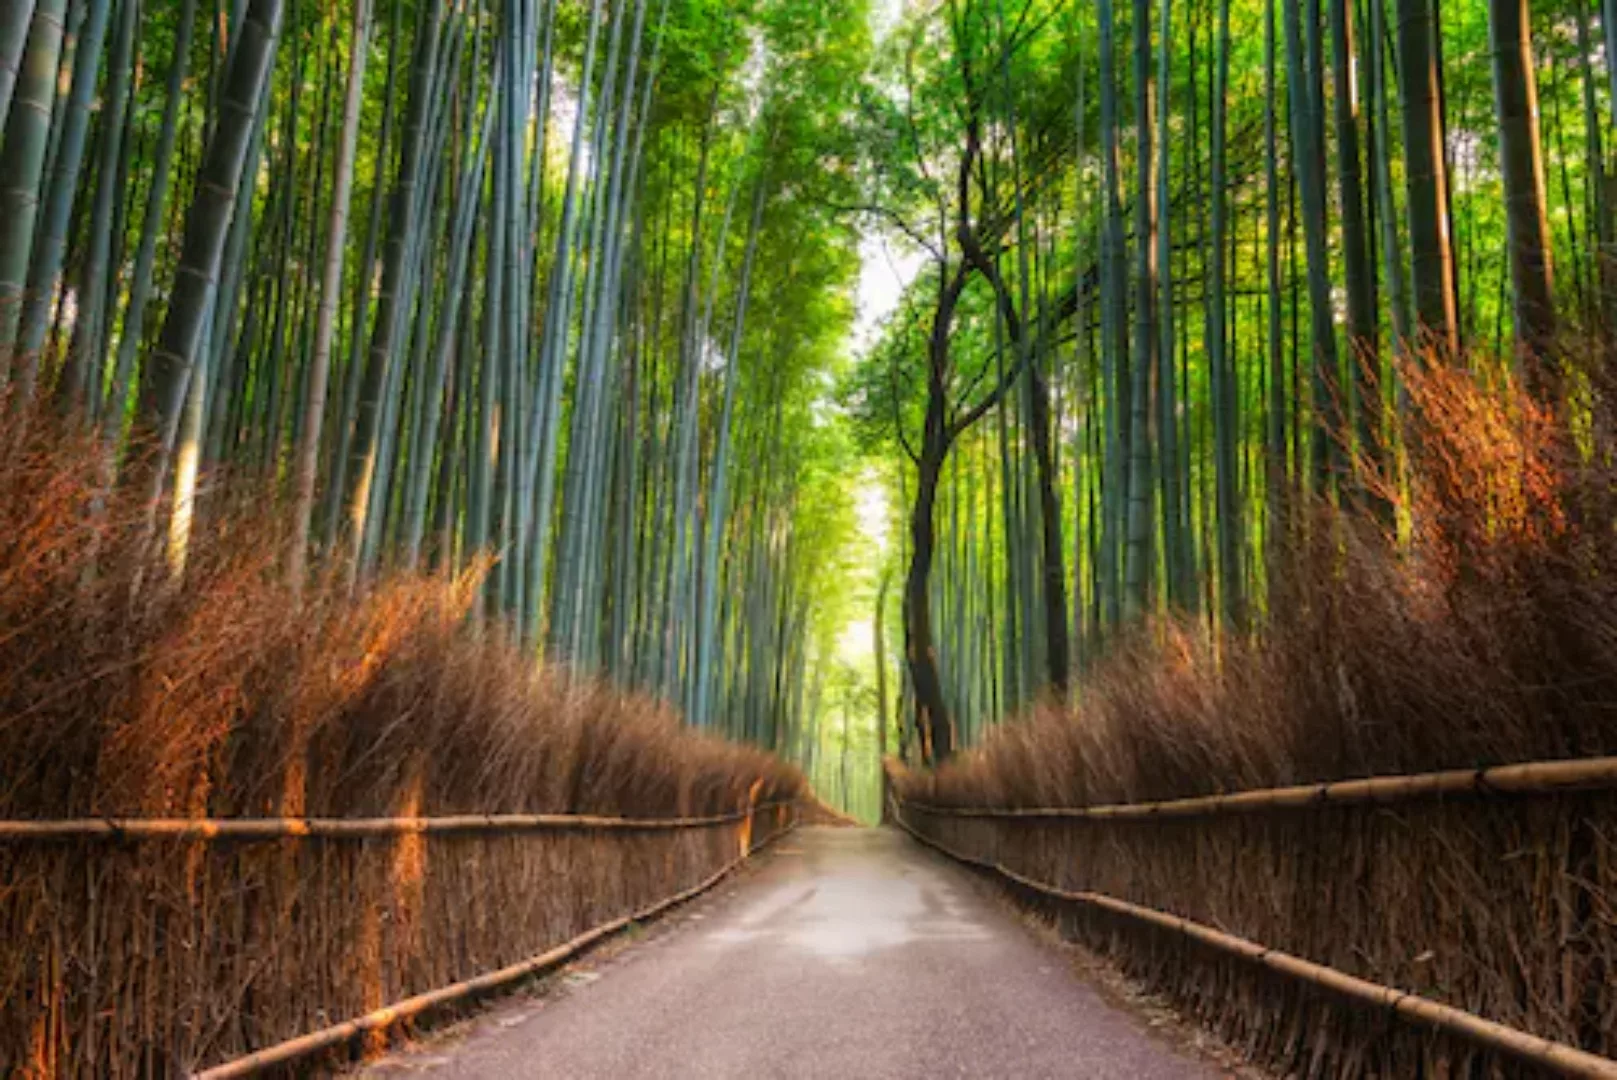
(126, 694)
(1487, 636)
(1502, 906)
(158, 957)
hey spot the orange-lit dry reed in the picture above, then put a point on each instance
(125, 693)
(1486, 635)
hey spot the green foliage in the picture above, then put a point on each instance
(1029, 69)
(573, 425)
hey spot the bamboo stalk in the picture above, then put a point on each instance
(304, 1045)
(1533, 1049)
(343, 828)
(1531, 778)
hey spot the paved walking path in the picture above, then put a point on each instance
(850, 954)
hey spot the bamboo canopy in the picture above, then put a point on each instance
(1556, 1057)
(343, 828)
(1530, 778)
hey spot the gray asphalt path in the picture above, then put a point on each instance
(850, 954)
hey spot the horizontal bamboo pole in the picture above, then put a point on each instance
(1532, 778)
(253, 829)
(304, 1045)
(1543, 1053)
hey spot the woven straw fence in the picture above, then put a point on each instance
(1503, 905)
(131, 955)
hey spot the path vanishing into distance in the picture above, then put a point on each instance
(851, 954)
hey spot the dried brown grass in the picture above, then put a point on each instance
(1488, 637)
(126, 692)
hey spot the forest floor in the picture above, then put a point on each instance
(846, 953)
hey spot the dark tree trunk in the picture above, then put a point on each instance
(1363, 352)
(933, 723)
(1057, 645)
(1522, 166)
(881, 686)
(1427, 177)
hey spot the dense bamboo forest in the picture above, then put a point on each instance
(550, 284)
(481, 477)
(1176, 269)
(577, 295)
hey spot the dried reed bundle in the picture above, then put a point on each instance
(126, 693)
(1487, 636)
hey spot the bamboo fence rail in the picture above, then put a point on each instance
(143, 936)
(380, 1019)
(253, 829)
(1523, 1046)
(1538, 777)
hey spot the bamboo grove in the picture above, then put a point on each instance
(544, 286)
(1172, 259)
(560, 291)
